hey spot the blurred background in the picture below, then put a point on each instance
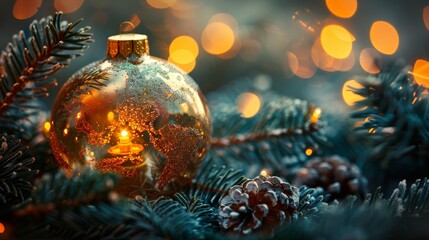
(309, 49)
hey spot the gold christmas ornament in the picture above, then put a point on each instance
(133, 114)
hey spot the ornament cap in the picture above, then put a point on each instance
(125, 45)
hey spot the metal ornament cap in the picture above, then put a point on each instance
(125, 45)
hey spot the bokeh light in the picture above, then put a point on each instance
(67, 6)
(342, 8)
(248, 104)
(182, 56)
(348, 63)
(47, 126)
(301, 64)
(316, 115)
(367, 60)
(264, 172)
(426, 16)
(24, 9)
(187, 67)
(217, 38)
(2, 228)
(321, 59)
(293, 62)
(161, 4)
(183, 50)
(306, 20)
(336, 41)
(327, 63)
(308, 151)
(421, 72)
(350, 98)
(384, 37)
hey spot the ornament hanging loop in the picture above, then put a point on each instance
(126, 26)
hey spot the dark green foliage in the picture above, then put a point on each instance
(166, 219)
(203, 212)
(212, 182)
(85, 204)
(347, 222)
(65, 207)
(393, 117)
(276, 138)
(376, 218)
(27, 63)
(395, 114)
(311, 202)
(15, 173)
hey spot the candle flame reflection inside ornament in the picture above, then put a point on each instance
(125, 146)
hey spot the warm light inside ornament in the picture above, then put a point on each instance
(133, 114)
(125, 146)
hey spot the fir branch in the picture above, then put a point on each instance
(15, 173)
(65, 206)
(395, 112)
(212, 182)
(275, 139)
(203, 212)
(282, 117)
(29, 61)
(165, 219)
(346, 221)
(401, 214)
(405, 201)
(311, 202)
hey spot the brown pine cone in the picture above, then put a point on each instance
(336, 176)
(259, 203)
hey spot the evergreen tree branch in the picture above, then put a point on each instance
(29, 61)
(15, 173)
(394, 112)
(165, 219)
(212, 182)
(311, 202)
(203, 212)
(276, 138)
(64, 206)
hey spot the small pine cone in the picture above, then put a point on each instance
(336, 176)
(259, 203)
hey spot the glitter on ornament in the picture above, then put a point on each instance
(133, 114)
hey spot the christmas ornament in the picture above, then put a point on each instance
(132, 114)
(259, 203)
(335, 175)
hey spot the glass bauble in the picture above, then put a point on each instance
(133, 114)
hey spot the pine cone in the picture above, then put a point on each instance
(336, 176)
(259, 203)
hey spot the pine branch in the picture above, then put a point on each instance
(311, 202)
(405, 201)
(276, 138)
(64, 207)
(202, 212)
(165, 219)
(15, 173)
(394, 110)
(29, 61)
(212, 182)
(281, 117)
